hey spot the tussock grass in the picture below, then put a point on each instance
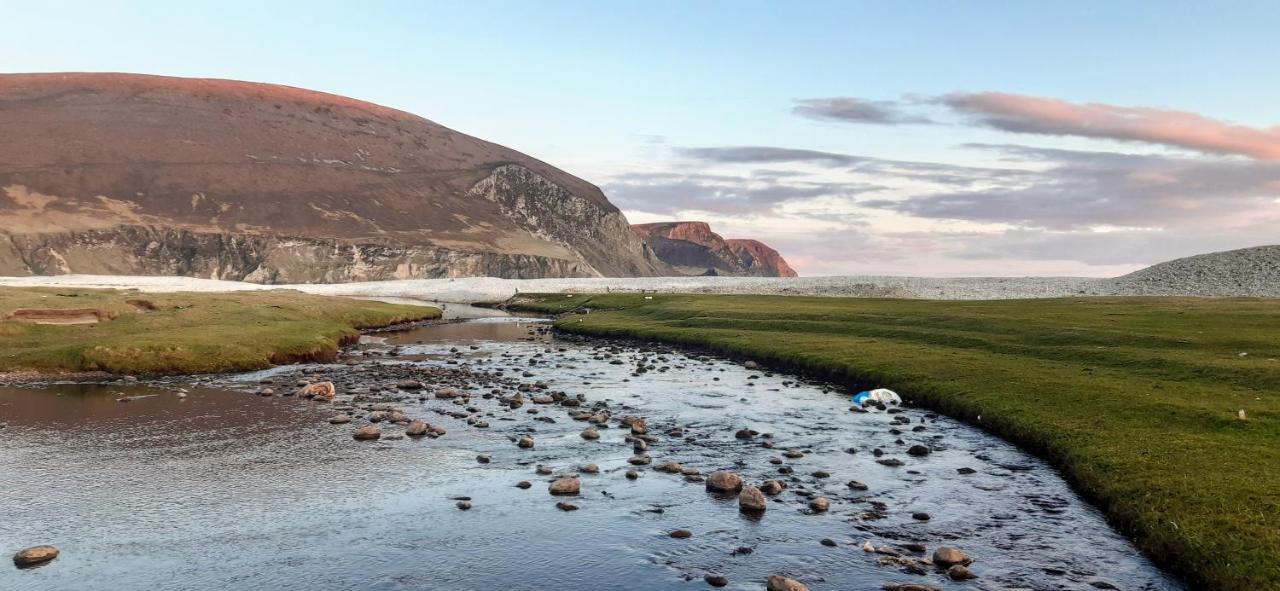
(177, 333)
(1134, 400)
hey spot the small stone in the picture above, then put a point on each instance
(566, 506)
(820, 505)
(590, 469)
(681, 534)
(822, 474)
(966, 470)
(855, 485)
(339, 420)
(724, 481)
(890, 462)
(751, 500)
(367, 432)
(669, 467)
(781, 583)
(751, 365)
(918, 450)
(716, 580)
(525, 442)
(35, 555)
(830, 543)
(484, 458)
(565, 486)
(632, 475)
(318, 391)
(464, 505)
(525, 484)
(920, 516)
(772, 487)
(590, 433)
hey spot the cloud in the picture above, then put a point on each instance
(1080, 190)
(931, 172)
(670, 193)
(855, 110)
(1048, 116)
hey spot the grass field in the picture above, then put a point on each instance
(83, 330)
(1135, 400)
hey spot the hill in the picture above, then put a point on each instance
(150, 175)
(693, 249)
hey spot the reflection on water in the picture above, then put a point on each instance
(227, 490)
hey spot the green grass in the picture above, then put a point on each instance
(185, 332)
(1134, 400)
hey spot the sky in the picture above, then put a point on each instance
(904, 138)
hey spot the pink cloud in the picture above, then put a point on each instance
(1038, 115)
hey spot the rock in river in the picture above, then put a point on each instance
(367, 432)
(959, 572)
(724, 481)
(820, 505)
(35, 555)
(781, 583)
(525, 441)
(751, 500)
(340, 420)
(417, 428)
(565, 486)
(946, 556)
(590, 433)
(318, 391)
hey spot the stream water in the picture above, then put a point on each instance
(142, 487)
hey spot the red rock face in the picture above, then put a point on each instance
(757, 255)
(694, 249)
(114, 172)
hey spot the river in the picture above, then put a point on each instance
(203, 484)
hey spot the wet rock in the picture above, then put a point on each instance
(793, 454)
(589, 469)
(772, 487)
(339, 420)
(566, 506)
(890, 462)
(484, 458)
(855, 485)
(920, 516)
(318, 391)
(590, 433)
(35, 555)
(909, 587)
(524, 484)
(266, 392)
(751, 365)
(781, 583)
(565, 486)
(543, 470)
(417, 428)
(681, 534)
(945, 556)
(751, 500)
(822, 474)
(639, 460)
(966, 470)
(367, 432)
(409, 385)
(959, 572)
(464, 505)
(669, 467)
(632, 475)
(820, 505)
(744, 434)
(918, 450)
(525, 442)
(724, 481)
(716, 580)
(828, 542)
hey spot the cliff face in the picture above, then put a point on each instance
(691, 248)
(128, 174)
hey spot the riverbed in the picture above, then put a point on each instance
(206, 483)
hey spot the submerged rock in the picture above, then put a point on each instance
(781, 583)
(367, 432)
(724, 481)
(946, 556)
(565, 486)
(751, 500)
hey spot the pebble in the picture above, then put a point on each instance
(339, 420)
(724, 481)
(367, 432)
(716, 580)
(464, 505)
(566, 506)
(781, 583)
(820, 505)
(959, 572)
(681, 534)
(525, 442)
(590, 433)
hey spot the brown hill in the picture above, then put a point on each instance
(131, 174)
(693, 249)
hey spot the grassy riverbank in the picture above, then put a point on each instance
(84, 330)
(1135, 400)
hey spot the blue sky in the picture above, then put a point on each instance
(616, 91)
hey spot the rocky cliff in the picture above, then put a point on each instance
(130, 174)
(691, 248)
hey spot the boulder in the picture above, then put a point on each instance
(417, 428)
(781, 583)
(724, 481)
(590, 433)
(35, 555)
(751, 500)
(959, 572)
(367, 432)
(820, 505)
(567, 485)
(945, 556)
